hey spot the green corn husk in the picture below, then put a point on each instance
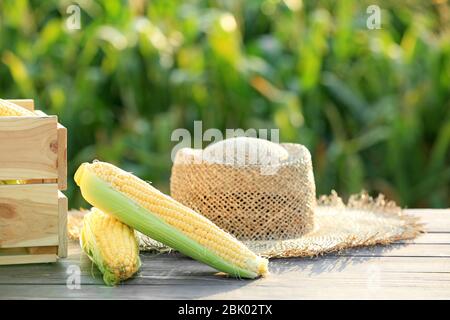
(104, 196)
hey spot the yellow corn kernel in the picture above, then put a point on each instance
(207, 242)
(111, 245)
(9, 109)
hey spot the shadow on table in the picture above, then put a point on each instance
(336, 262)
(175, 276)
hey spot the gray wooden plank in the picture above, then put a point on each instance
(429, 238)
(435, 220)
(175, 269)
(412, 286)
(342, 289)
(290, 285)
(400, 250)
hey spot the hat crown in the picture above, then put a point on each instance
(245, 151)
(245, 200)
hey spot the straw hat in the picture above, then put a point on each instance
(264, 194)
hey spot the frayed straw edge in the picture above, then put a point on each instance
(361, 201)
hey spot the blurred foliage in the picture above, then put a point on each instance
(373, 106)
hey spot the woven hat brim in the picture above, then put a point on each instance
(337, 229)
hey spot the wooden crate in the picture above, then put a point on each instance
(33, 216)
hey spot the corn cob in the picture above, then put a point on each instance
(111, 245)
(9, 109)
(146, 209)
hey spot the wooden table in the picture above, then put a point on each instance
(406, 270)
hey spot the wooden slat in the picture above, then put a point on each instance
(62, 225)
(429, 238)
(41, 181)
(427, 286)
(436, 220)
(175, 277)
(238, 290)
(27, 259)
(62, 157)
(28, 215)
(28, 148)
(14, 256)
(43, 250)
(62, 154)
(401, 250)
(174, 268)
(172, 276)
(40, 113)
(25, 103)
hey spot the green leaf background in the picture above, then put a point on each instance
(373, 106)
